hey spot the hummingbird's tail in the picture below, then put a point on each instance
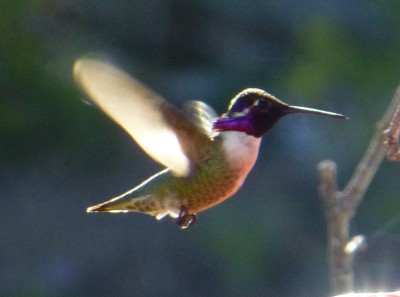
(106, 207)
(144, 204)
(124, 204)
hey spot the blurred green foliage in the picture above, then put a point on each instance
(59, 155)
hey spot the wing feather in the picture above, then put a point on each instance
(138, 110)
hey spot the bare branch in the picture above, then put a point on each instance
(366, 169)
(341, 206)
(392, 132)
(340, 263)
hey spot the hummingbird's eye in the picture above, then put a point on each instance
(263, 103)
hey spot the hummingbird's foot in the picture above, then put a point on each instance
(185, 220)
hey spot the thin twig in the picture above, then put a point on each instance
(392, 132)
(341, 206)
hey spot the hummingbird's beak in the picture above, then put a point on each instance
(300, 109)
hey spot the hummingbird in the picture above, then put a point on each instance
(207, 157)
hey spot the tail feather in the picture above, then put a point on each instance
(105, 207)
(120, 204)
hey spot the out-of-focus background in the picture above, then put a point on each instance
(59, 155)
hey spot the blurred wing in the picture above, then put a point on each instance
(193, 128)
(160, 128)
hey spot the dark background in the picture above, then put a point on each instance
(58, 155)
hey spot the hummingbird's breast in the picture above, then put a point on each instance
(241, 150)
(222, 174)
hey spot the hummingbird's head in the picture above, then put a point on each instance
(255, 111)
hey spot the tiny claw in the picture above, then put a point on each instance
(185, 220)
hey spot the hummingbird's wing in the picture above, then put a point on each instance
(162, 130)
(203, 116)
